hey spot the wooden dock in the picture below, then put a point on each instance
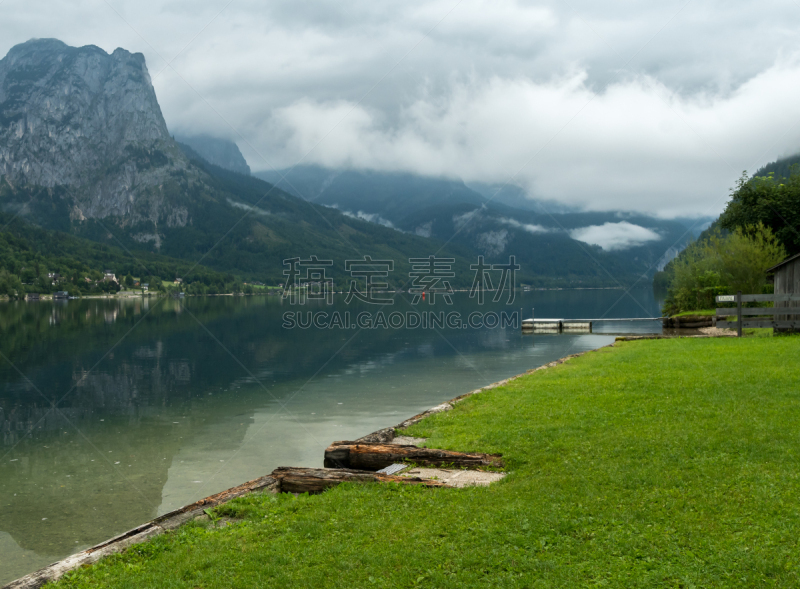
(556, 325)
(571, 325)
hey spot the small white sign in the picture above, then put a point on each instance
(726, 299)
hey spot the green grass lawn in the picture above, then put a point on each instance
(702, 313)
(660, 463)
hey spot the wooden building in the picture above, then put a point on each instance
(787, 281)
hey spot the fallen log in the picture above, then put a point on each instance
(688, 322)
(316, 480)
(384, 436)
(375, 456)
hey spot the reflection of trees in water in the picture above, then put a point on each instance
(159, 373)
(158, 360)
(91, 490)
(133, 390)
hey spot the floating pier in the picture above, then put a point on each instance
(556, 326)
(571, 325)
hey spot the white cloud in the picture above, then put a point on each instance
(615, 236)
(371, 217)
(492, 243)
(246, 207)
(460, 221)
(654, 107)
(636, 146)
(529, 227)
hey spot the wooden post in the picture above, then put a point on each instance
(739, 314)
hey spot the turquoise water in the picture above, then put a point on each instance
(113, 412)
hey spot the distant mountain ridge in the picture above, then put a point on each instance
(781, 168)
(219, 152)
(496, 221)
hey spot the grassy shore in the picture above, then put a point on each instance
(700, 313)
(661, 463)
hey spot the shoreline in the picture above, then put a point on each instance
(5, 298)
(175, 518)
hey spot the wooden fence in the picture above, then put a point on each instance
(780, 316)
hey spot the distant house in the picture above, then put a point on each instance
(178, 280)
(32, 296)
(61, 294)
(146, 286)
(135, 283)
(109, 277)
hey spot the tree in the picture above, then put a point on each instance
(774, 202)
(128, 280)
(723, 264)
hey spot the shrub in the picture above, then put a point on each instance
(723, 265)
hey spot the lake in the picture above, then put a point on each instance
(115, 411)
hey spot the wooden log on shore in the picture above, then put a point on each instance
(695, 324)
(384, 436)
(688, 322)
(375, 456)
(316, 480)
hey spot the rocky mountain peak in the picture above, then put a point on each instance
(80, 118)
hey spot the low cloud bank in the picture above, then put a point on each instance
(529, 227)
(615, 236)
(371, 217)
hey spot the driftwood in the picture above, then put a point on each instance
(688, 322)
(375, 456)
(316, 480)
(384, 436)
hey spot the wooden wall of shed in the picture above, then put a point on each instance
(787, 281)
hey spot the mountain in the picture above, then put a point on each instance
(515, 196)
(86, 126)
(549, 240)
(781, 168)
(382, 197)
(219, 152)
(84, 149)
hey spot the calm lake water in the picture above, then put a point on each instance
(113, 412)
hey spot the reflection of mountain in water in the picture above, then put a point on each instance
(167, 391)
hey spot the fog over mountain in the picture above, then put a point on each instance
(652, 107)
(85, 149)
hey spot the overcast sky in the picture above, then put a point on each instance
(649, 106)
